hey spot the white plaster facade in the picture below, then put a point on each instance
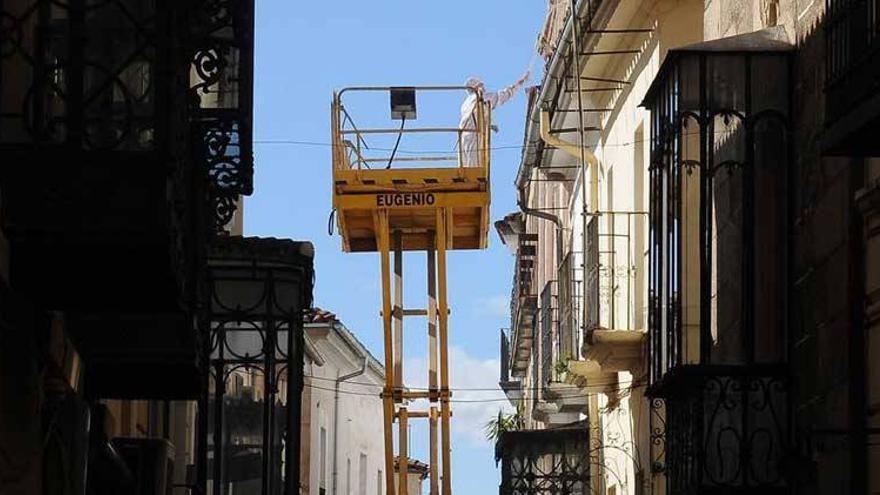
(347, 429)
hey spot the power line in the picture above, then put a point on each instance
(627, 388)
(294, 142)
(465, 389)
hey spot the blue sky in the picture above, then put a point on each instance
(305, 50)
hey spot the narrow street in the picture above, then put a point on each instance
(558, 247)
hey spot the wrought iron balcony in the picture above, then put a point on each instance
(614, 286)
(722, 429)
(125, 139)
(548, 323)
(719, 158)
(129, 86)
(523, 304)
(512, 388)
(259, 290)
(548, 462)
(570, 279)
(719, 154)
(852, 51)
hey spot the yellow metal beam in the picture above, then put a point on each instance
(403, 458)
(397, 309)
(472, 175)
(434, 482)
(443, 316)
(411, 200)
(382, 235)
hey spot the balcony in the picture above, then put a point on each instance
(555, 461)
(723, 430)
(511, 388)
(560, 402)
(259, 290)
(523, 305)
(852, 90)
(717, 281)
(614, 286)
(125, 143)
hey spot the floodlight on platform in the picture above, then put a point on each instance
(403, 103)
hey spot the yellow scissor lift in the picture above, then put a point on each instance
(412, 207)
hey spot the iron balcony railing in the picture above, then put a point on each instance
(125, 76)
(505, 358)
(549, 325)
(554, 461)
(523, 302)
(570, 277)
(722, 429)
(852, 36)
(614, 270)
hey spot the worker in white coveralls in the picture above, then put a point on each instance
(470, 141)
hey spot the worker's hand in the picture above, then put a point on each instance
(526, 76)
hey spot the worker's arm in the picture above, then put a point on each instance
(500, 97)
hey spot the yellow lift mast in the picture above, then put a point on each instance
(415, 207)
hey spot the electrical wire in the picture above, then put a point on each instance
(626, 389)
(396, 143)
(294, 142)
(635, 384)
(330, 221)
(466, 389)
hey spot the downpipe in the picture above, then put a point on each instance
(339, 381)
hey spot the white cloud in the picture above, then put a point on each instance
(494, 306)
(476, 396)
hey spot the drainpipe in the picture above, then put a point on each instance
(546, 216)
(587, 158)
(339, 381)
(574, 150)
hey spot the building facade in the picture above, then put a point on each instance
(346, 454)
(696, 248)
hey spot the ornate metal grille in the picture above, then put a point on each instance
(612, 269)
(591, 274)
(657, 428)
(719, 152)
(545, 462)
(97, 91)
(726, 430)
(259, 289)
(222, 99)
(135, 76)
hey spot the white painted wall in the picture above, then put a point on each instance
(358, 430)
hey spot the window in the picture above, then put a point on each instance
(362, 475)
(348, 476)
(379, 482)
(323, 474)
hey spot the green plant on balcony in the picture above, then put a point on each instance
(560, 368)
(503, 422)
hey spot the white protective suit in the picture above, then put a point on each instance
(470, 156)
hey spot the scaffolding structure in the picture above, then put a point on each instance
(416, 207)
